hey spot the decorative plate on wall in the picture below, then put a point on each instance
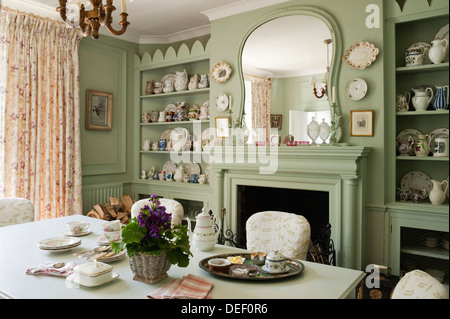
(222, 102)
(221, 72)
(356, 89)
(361, 55)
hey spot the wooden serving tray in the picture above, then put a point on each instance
(295, 268)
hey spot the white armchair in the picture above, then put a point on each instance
(418, 284)
(172, 206)
(287, 233)
(14, 210)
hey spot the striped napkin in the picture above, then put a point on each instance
(50, 268)
(190, 287)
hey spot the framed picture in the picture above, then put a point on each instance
(361, 123)
(276, 120)
(222, 129)
(98, 110)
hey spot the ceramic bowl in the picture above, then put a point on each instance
(219, 265)
(291, 143)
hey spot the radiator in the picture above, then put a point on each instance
(100, 194)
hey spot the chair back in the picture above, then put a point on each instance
(15, 210)
(172, 206)
(287, 233)
(418, 284)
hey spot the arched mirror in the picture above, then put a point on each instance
(289, 69)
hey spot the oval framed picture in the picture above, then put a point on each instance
(221, 72)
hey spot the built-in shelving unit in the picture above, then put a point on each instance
(410, 224)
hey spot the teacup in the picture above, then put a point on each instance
(111, 226)
(113, 235)
(77, 227)
(275, 263)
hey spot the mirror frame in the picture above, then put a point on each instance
(335, 66)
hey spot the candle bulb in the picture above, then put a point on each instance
(334, 95)
(229, 101)
(124, 6)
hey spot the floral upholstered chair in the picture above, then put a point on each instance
(172, 206)
(14, 210)
(287, 233)
(418, 284)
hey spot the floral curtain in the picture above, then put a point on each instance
(39, 114)
(261, 97)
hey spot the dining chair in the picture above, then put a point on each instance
(287, 233)
(172, 206)
(15, 210)
(418, 284)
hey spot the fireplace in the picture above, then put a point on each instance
(313, 205)
(325, 183)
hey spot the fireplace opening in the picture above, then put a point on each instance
(313, 205)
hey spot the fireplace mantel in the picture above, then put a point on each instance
(339, 170)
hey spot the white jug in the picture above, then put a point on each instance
(205, 235)
(437, 193)
(438, 50)
(421, 99)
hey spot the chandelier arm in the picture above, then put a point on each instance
(62, 9)
(109, 9)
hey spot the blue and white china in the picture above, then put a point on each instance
(194, 178)
(441, 101)
(162, 144)
(275, 263)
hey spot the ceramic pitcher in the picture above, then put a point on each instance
(205, 235)
(403, 102)
(441, 146)
(437, 193)
(441, 101)
(181, 80)
(422, 145)
(437, 51)
(422, 98)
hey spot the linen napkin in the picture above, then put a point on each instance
(49, 269)
(190, 287)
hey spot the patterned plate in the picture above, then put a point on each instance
(403, 136)
(170, 108)
(416, 180)
(170, 167)
(192, 168)
(360, 55)
(166, 135)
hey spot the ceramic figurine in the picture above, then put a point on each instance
(437, 193)
(146, 117)
(168, 86)
(203, 81)
(438, 50)
(181, 80)
(143, 174)
(178, 174)
(193, 82)
(146, 146)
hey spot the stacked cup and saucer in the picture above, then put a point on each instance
(77, 228)
(112, 232)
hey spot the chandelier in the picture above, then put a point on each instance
(91, 20)
(320, 87)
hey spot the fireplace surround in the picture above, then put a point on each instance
(337, 171)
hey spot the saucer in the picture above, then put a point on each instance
(286, 269)
(102, 241)
(83, 233)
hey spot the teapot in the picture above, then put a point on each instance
(437, 51)
(421, 99)
(205, 235)
(403, 102)
(422, 145)
(437, 193)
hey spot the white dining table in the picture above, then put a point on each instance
(19, 251)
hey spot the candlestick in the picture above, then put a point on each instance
(334, 95)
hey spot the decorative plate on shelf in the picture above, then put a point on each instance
(166, 135)
(361, 55)
(222, 102)
(356, 89)
(170, 167)
(170, 76)
(192, 168)
(419, 47)
(170, 108)
(416, 180)
(221, 72)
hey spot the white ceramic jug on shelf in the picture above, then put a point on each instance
(437, 193)
(421, 99)
(438, 50)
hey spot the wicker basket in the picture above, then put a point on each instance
(149, 269)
